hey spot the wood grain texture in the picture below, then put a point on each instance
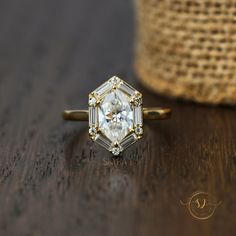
(53, 179)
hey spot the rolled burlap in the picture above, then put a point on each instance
(187, 48)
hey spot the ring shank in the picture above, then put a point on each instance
(75, 115)
(154, 113)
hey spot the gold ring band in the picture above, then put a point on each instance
(154, 113)
(115, 115)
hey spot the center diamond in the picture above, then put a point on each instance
(115, 115)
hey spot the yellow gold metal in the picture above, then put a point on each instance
(154, 113)
(75, 115)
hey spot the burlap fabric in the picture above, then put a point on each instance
(187, 48)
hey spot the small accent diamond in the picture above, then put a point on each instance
(138, 130)
(116, 151)
(115, 80)
(93, 131)
(92, 101)
(136, 99)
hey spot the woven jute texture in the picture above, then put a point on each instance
(187, 48)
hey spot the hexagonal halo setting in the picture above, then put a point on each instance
(115, 115)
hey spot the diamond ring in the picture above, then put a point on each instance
(115, 115)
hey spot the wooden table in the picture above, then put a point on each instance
(54, 180)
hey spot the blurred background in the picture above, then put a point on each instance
(186, 48)
(60, 37)
(182, 49)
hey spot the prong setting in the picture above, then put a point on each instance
(136, 99)
(92, 101)
(115, 81)
(116, 149)
(93, 132)
(115, 115)
(139, 131)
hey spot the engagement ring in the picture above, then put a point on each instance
(115, 115)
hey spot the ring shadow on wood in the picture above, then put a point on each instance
(81, 152)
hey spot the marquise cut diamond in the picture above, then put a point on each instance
(115, 116)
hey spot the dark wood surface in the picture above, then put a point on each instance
(53, 179)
